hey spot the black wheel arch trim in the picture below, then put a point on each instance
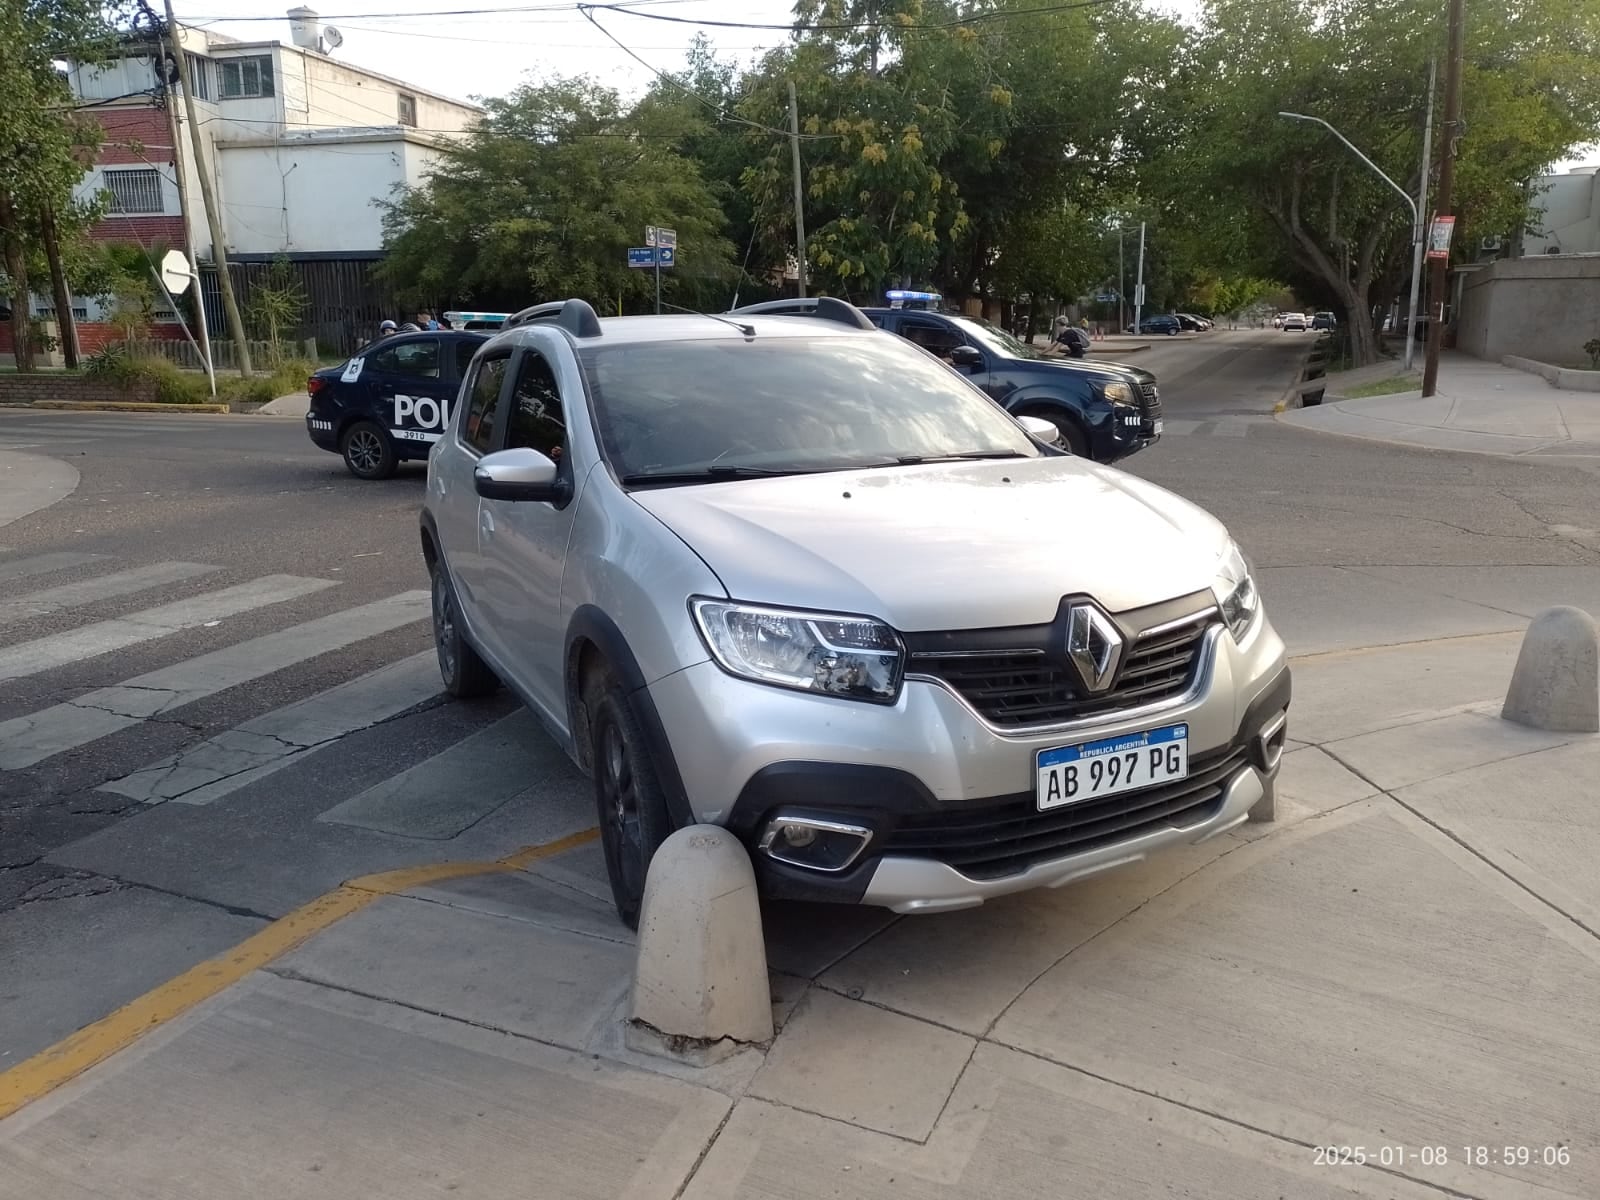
(590, 624)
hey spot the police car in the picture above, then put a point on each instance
(390, 402)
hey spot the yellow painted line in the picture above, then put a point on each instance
(70, 1057)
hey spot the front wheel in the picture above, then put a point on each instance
(368, 452)
(1172, 332)
(629, 801)
(1071, 437)
(465, 675)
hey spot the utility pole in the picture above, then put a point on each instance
(213, 218)
(799, 191)
(1419, 233)
(1122, 285)
(1450, 132)
(1138, 287)
(180, 175)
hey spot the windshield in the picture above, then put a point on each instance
(995, 338)
(788, 405)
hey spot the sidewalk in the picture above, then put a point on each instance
(1409, 958)
(1480, 407)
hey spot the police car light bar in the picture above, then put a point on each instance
(900, 295)
(486, 318)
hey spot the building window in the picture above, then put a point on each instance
(245, 77)
(408, 110)
(200, 76)
(134, 191)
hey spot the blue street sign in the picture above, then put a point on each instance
(667, 255)
(641, 256)
(1105, 297)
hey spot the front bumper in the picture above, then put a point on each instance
(939, 787)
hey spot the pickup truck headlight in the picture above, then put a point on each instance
(1236, 593)
(836, 654)
(1118, 393)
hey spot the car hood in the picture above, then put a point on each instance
(947, 546)
(1098, 369)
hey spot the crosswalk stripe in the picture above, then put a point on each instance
(91, 641)
(442, 795)
(102, 587)
(43, 564)
(41, 735)
(221, 765)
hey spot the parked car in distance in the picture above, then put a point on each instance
(1164, 323)
(1102, 410)
(390, 402)
(1191, 322)
(1325, 320)
(1294, 323)
(798, 579)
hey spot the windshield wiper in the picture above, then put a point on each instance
(715, 472)
(912, 460)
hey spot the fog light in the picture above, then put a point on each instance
(814, 843)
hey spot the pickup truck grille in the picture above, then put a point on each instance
(1149, 406)
(1015, 688)
(1008, 838)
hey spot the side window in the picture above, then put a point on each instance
(418, 359)
(537, 418)
(465, 349)
(483, 404)
(931, 336)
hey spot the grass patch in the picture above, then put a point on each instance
(1384, 387)
(174, 386)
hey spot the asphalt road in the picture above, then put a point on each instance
(212, 580)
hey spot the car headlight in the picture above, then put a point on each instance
(1236, 593)
(1118, 393)
(835, 654)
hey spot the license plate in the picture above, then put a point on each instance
(1159, 426)
(1094, 770)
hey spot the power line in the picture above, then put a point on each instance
(852, 26)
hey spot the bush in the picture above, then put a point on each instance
(171, 386)
(1592, 349)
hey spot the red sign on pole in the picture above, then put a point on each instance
(1439, 237)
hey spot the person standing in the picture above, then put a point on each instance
(425, 320)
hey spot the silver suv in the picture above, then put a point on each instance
(796, 577)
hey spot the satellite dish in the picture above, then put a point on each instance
(332, 36)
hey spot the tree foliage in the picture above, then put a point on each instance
(543, 202)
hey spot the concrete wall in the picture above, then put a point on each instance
(1543, 308)
(310, 197)
(1564, 215)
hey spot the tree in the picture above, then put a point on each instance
(277, 303)
(1301, 206)
(543, 201)
(43, 142)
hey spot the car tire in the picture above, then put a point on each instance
(1073, 439)
(630, 805)
(466, 676)
(1172, 331)
(368, 451)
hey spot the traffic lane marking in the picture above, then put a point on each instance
(93, 1044)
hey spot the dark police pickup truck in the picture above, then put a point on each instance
(1105, 411)
(390, 402)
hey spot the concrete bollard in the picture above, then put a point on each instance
(700, 987)
(1556, 683)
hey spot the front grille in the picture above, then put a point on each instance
(1149, 406)
(1013, 688)
(1008, 838)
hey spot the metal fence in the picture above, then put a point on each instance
(224, 354)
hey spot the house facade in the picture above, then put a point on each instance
(300, 148)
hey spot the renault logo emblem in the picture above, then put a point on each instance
(1094, 644)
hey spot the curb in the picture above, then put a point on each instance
(1565, 378)
(122, 406)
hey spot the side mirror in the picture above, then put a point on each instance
(520, 474)
(1041, 430)
(966, 356)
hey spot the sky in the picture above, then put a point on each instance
(488, 54)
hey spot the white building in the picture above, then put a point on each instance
(301, 149)
(1564, 214)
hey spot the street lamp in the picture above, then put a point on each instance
(1416, 225)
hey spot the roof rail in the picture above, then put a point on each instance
(579, 319)
(549, 309)
(830, 309)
